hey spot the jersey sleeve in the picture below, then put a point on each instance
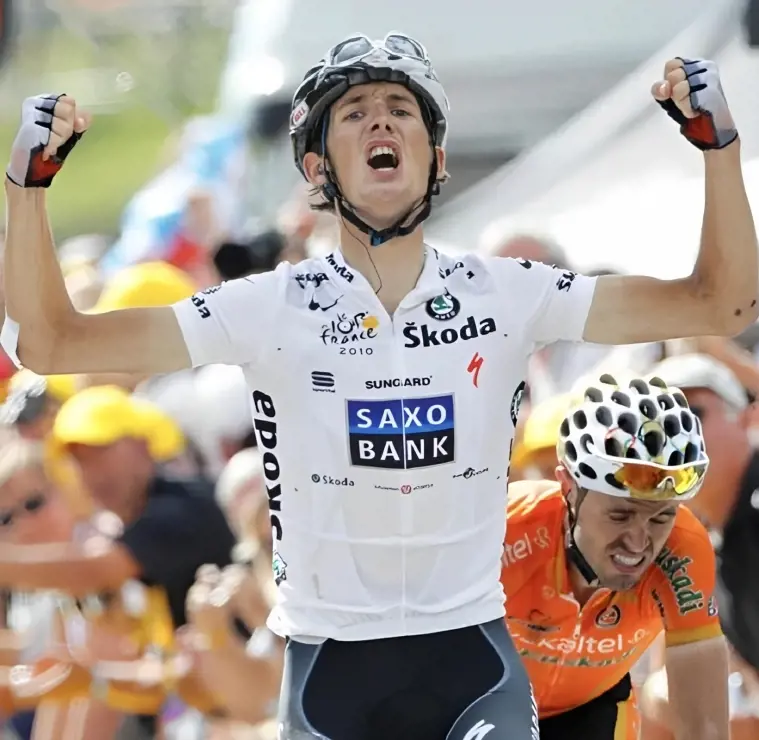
(684, 586)
(555, 302)
(231, 323)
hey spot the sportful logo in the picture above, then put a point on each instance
(322, 381)
(675, 569)
(341, 270)
(402, 433)
(424, 337)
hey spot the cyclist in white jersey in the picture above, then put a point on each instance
(385, 383)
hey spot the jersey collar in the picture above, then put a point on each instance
(431, 282)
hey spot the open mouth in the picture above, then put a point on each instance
(382, 159)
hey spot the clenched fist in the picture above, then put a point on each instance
(51, 125)
(691, 94)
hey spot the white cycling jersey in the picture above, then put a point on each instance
(386, 439)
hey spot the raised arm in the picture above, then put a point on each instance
(55, 338)
(719, 297)
(49, 334)
(45, 333)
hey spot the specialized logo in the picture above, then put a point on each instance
(565, 281)
(330, 481)
(199, 302)
(675, 569)
(403, 433)
(479, 731)
(323, 382)
(443, 307)
(609, 617)
(423, 336)
(309, 278)
(398, 383)
(470, 473)
(350, 329)
(516, 402)
(341, 270)
(474, 368)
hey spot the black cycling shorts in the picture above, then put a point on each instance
(599, 719)
(466, 684)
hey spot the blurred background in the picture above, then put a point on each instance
(556, 150)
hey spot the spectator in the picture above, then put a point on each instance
(728, 502)
(172, 526)
(144, 285)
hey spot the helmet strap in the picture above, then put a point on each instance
(403, 226)
(574, 555)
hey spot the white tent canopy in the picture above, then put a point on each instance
(638, 225)
(613, 169)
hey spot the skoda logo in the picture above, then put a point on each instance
(443, 307)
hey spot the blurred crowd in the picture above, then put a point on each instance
(82, 458)
(135, 543)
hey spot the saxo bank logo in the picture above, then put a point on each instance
(403, 433)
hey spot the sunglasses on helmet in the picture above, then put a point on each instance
(359, 46)
(647, 482)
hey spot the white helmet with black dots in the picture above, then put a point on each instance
(637, 440)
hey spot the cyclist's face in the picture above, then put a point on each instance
(620, 538)
(380, 115)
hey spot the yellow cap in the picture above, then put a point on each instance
(145, 285)
(104, 414)
(541, 430)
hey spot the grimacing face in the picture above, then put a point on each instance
(620, 538)
(378, 114)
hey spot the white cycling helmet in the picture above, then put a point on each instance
(638, 440)
(358, 60)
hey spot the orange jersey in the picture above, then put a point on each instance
(575, 654)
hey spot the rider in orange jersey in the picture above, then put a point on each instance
(597, 565)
